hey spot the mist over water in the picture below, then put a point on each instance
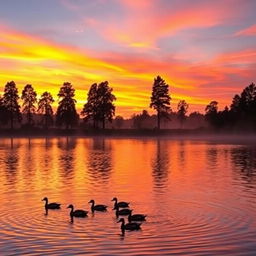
(199, 196)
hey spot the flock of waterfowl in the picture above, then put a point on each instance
(121, 208)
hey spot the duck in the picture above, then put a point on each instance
(136, 217)
(77, 213)
(97, 207)
(129, 226)
(122, 212)
(119, 204)
(50, 205)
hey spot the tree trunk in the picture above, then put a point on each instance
(11, 120)
(103, 123)
(158, 120)
(46, 121)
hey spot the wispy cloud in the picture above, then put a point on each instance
(250, 31)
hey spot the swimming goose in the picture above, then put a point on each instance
(97, 207)
(77, 213)
(129, 226)
(50, 205)
(136, 217)
(119, 204)
(122, 212)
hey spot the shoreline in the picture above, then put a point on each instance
(170, 134)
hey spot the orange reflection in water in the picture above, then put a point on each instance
(198, 195)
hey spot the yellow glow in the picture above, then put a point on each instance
(45, 65)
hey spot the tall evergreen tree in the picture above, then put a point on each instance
(29, 100)
(66, 111)
(99, 106)
(211, 113)
(45, 108)
(160, 99)
(243, 106)
(105, 98)
(90, 109)
(182, 111)
(10, 102)
(3, 113)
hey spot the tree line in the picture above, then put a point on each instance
(99, 107)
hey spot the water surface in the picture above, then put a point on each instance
(199, 196)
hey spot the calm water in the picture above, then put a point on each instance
(199, 196)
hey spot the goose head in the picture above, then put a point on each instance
(121, 220)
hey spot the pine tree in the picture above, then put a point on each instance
(3, 113)
(29, 100)
(105, 98)
(160, 99)
(45, 108)
(182, 111)
(211, 113)
(90, 110)
(99, 106)
(10, 102)
(66, 112)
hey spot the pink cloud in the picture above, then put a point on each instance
(251, 31)
(144, 24)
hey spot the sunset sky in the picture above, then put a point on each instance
(205, 50)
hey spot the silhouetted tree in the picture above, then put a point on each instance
(3, 113)
(10, 102)
(182, 111)
(90, 109)
(119, 121)
(105, 106)
(243, 107)
(139, 120)
(29, 100)
(224, 118)
(66, 111)
(160, 99)
(45, 108)
(99, 106)
(211, 113)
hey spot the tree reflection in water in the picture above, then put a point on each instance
(99, 162)
(160, 164)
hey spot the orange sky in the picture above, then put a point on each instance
(204, 54)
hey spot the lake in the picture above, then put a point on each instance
(199, 196)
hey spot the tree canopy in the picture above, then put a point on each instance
(99, 106)
(182, 111)
(10, 102)
(45, 108)
(160, 99)
(66, 111)
(29, 100)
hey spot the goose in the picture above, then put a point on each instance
(136, 217)
(119, 204)
(77, 213)
(123, 212)
(97, 207)
(50, 205)
(129, 226)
